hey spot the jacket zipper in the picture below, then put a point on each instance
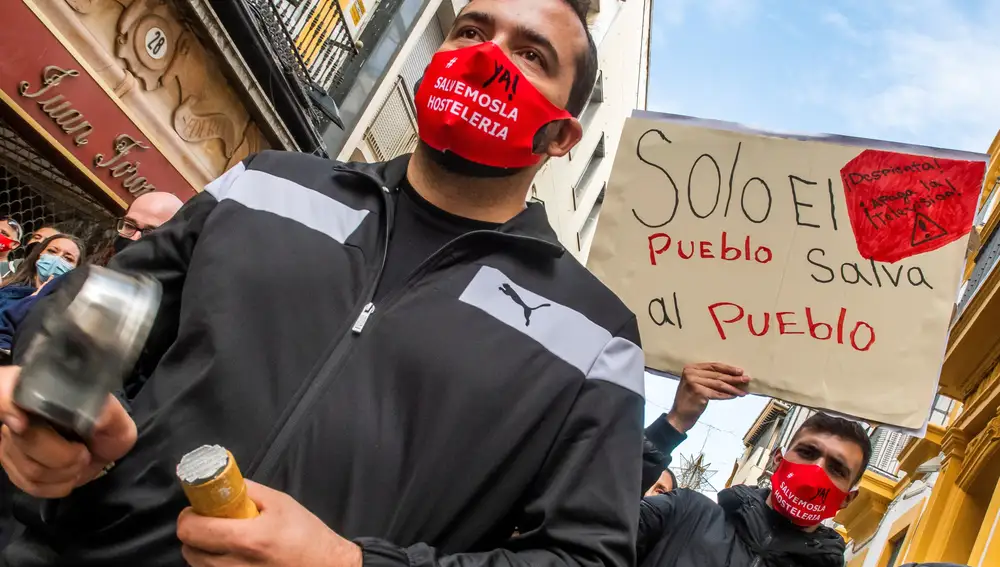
(327, 371)
(316, 381)
(427, 265)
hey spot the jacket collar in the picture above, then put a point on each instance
(531, 226)
(773, 538)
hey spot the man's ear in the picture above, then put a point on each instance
(776, 458)
(850, 498)
(560, 137)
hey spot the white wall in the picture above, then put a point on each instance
(618, 28)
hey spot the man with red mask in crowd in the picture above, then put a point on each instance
(781, 526)
(10, 240)
(421, 369)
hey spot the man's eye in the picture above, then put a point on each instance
(469, 33)
(532, 56)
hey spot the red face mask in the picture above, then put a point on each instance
(7, 244)
(475, 103)
(804, 493)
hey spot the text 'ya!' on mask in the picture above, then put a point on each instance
(804, 493)
(474, 103)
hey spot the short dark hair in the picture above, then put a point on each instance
(587, 63)
(673, 479)
(839, 427)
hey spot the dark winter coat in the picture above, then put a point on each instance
(425, 426)
(685, 529)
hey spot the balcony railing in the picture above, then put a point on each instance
(313, 43)
(321, 37)
(986, 260)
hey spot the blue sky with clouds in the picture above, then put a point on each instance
(916, 71)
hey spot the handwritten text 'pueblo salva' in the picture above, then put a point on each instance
(752, 198)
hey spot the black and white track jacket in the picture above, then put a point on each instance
(426, 427)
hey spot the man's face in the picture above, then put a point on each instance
(543, 38)
(663, 485)
(42, 234)
(7, 230)
(841, 459)
(144, 215)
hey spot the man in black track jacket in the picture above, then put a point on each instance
(749, 527)
(420, 369)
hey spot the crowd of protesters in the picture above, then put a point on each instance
(419, 376)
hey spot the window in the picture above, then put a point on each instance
(886, 446)
(533, 195)
(895, 549)
(941, 410)
(984, 214)
(586, 234)
(596, 158)
(593, 105)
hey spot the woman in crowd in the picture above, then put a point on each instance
(55, 256)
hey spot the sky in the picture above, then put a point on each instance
(915, 71)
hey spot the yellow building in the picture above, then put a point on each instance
(961, 519)
(958, 519)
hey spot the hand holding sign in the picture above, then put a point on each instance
(701, 383)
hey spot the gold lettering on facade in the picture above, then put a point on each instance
(119, 167)
(74, 123)
(71, 121)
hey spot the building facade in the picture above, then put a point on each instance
(760, 441)
(960, 521)
(104, 100)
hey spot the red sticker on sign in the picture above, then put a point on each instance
(901, 205)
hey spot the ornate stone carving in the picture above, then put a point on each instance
(83, 6)
(253, 141)
(953, 444)
(156, 49)
(147, 40)
(199, 117)
(979, 453)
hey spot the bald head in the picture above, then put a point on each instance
(153, 209)
(150, 210)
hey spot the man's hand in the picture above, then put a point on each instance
(699, 384)
(285, 534)
(44, 464)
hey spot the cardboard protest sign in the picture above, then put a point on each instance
(827, 267)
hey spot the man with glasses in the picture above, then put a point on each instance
(146, 213)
